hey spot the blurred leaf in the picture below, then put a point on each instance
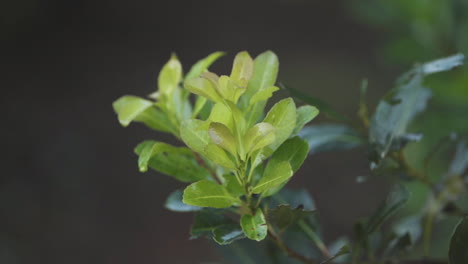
(254, 226)
(206, 193)
(403, 103)
(275, 174)
(174, 203)
(318, 103)
(459, 163)
(199, 105)
(331, 137)
(304, 115)
(284, 216)
(230, 90)
(259, 136)
(228, 233)
(132, 108)
(179, 163)
(395, 200)
(222, 137)
(343, 251)
(246, 251)
(282, 116)
(170, 76)
(295, 198)
(458, 252)
(202, 65)
(337, 246)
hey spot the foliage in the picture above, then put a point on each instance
(237, 159)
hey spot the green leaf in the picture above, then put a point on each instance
(202, 65)
(222, 136)
(265, 72)
(132, 108)
(458, 252)
(206, 193)
(177, 162)
(199, 104)
(203, 87)
(254, 226)
(293, 150)
(206, 220)
(304, 115)
(194, 135)
(174, 203)
(331, 137)
(229, 90)
(242, 69)
(170, 76)
(263, 95)
(395, 200)
(284, 215)
(233, 185)
(222, 114)
(283, 117)
(275, 174)
(228, 233)
(218, 156)
(259, 136)
(323, 106)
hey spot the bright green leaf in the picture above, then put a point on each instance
(222, 136)
(331, 137)
(174, 203)
(206, 193)
(179, 163)
(203, 87)
(218, 156)
(304, 115)
(229, 90)
(263, 95)
(194, 135)
(275, 174)
(293, 150)
(233, 185)
(242, 68)
(458, 252)
(259, 136)
(283, 117)
(202, 65)
(220, 113)
(170, 76)
(199, 104)
(254, 226)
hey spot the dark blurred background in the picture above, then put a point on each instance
(70, 190)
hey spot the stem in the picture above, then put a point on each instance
(288, 251)
(202, 163)
(401, 159)
(313, 236)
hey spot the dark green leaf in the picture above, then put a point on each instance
(206, 193)
(343, 251)
(174, 203)
(458, 252)
(176, 162)
(293, 150)
(284, 216)
(202, 65)
(228, 233)
(459, 163)
(206, 221)
(321, 105)
(395, 200)
(331, 137)
(254, 226)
